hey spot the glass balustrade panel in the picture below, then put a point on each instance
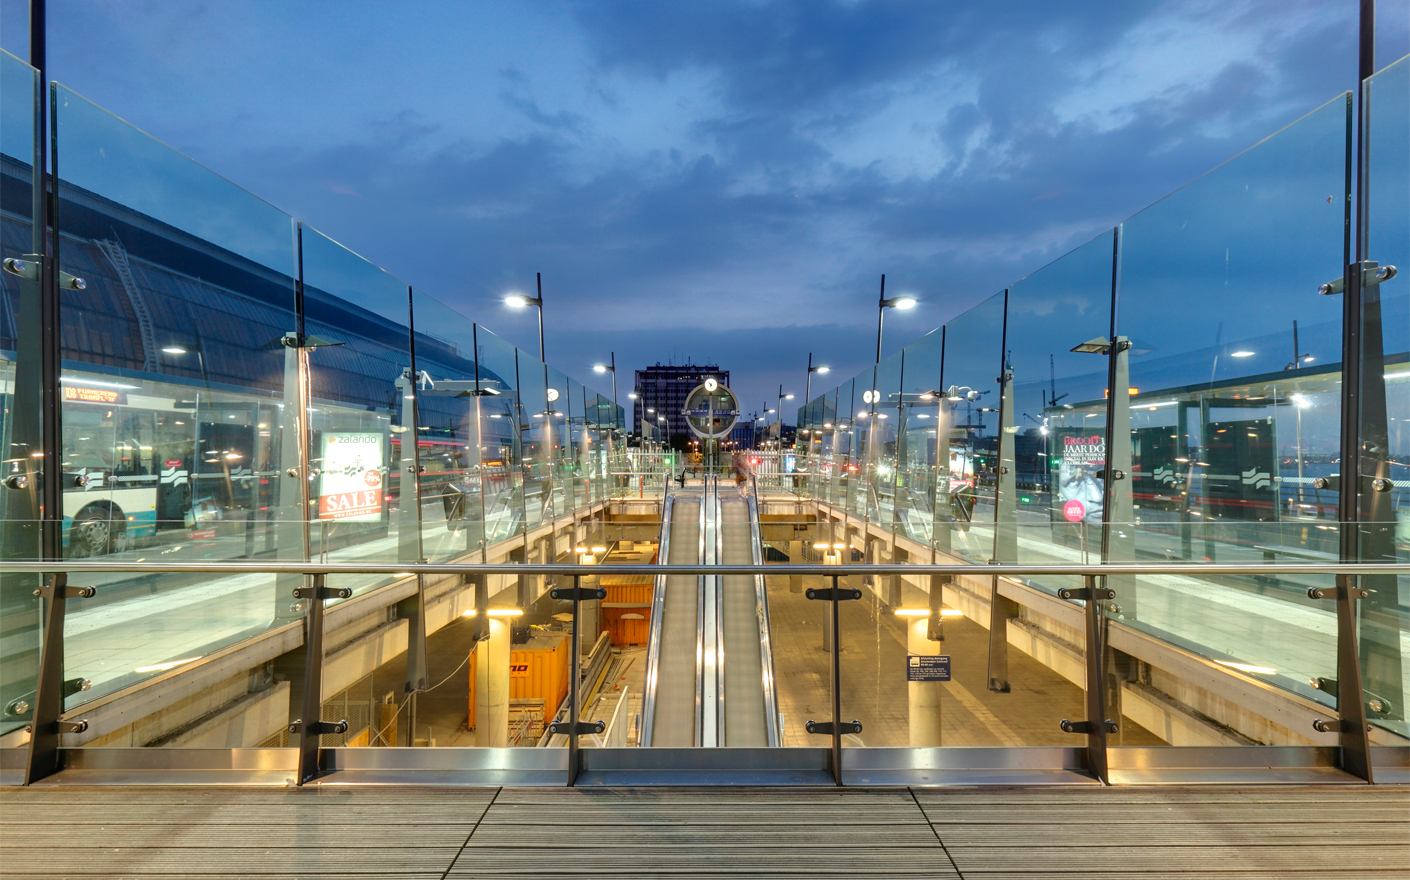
(1384, 515)
(21, 431)
(181, 435)
(1058, 319)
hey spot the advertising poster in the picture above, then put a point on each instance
(1077, 490)
(350, 487)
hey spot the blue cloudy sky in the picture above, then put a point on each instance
(710, 180)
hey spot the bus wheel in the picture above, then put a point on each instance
(96, 532)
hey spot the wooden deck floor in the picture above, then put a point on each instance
(433, 833)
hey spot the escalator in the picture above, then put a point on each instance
(709, 666)
(748, 715)
(671, 705)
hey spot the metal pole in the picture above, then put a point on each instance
(538, 277)
(1096, 702)
(573, 695)
(880, 316)
(836, 691)
(51, 490)
(308, 724)
(43, 759)
(1353, 736)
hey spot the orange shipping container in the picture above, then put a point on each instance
(538, 669)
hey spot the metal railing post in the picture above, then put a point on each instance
(1097, 725)
(43, 759)
(1096, 683)
(836, 690)
(309, 726)
(573, 707)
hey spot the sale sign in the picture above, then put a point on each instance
(350, 482)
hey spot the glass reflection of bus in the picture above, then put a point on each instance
(142, 458)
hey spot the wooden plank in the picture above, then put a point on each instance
(645, 836)
(79, 861)
(195, 795)
(677, 815)
(268, 814)
(992, 813)
(1157, 834)
(1203, 859)
(749, 861)
(1271, 794)
(302, 875)
(254, 835)
(795, 796)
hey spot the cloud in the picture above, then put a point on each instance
(730, 178)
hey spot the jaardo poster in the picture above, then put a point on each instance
(1078, 457)
(350, 487)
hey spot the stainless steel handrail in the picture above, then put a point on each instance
(766, 648)
(653, 640)
(1007, 569)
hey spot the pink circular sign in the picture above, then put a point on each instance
(1074, 510)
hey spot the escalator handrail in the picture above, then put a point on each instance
(653, 639)
(766, 649)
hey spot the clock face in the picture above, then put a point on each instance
(711, 410)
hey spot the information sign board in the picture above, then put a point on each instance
(921, 667)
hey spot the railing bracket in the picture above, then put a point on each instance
(582, 727)
(1086, 726)
(825, 728)
(318, 728)
(322, 593)
(78, 726)
(580, 594)
(1335, 592)
(826, 595)
(1087, 594)
(47, 592)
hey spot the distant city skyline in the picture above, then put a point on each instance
(710, 181)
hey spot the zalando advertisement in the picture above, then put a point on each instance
(1080, 457)
(350, 487)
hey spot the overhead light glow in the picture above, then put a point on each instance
(1241, 354)
(174, 349)
(170, 664)
(1247, 667)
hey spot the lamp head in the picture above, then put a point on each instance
(600, 368)
(1099, 345)
(516, 300)
(900, 302)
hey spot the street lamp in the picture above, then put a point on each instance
(902, 303)
(519, 301)
(610, 368)
(177, 349)
(781, 398)
(808, 386)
